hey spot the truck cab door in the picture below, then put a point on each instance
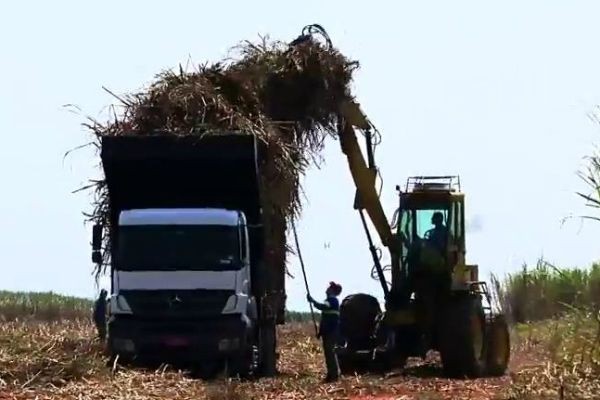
(245, 258)
(246, 287)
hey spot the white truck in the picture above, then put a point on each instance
(191, 280)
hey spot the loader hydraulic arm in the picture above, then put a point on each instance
(367, 199)
(364, 179)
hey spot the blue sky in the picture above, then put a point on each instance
(497, 92)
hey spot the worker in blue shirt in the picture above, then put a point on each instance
(99, 315)
(329, 328)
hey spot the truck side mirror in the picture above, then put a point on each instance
(97, 244)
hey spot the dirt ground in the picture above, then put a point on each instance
(61, 361)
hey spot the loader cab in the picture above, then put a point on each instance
(426, 247)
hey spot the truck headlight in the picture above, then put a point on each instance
(231, 304)
(119, 305)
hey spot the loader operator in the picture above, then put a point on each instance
(329, 328)
(438, 236)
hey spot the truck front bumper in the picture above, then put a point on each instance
(177, 340)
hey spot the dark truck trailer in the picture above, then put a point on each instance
(217, 174)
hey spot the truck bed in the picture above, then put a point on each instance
(168, 171)
(165, 171)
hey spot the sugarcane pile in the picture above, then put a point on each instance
(287, 95)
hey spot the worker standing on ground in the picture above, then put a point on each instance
(329, 328)
(99, 315)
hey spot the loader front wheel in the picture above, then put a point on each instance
(498, 346)
(462, 338)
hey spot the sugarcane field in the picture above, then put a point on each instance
(332, 200)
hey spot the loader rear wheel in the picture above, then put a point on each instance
(353, 363)
(462, 338)
(498, 346)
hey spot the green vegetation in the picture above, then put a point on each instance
(557, 330)
(545, 291)
(558, 359)
(46, 306)
(563, 344)
(592, 178)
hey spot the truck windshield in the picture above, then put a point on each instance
(178, 247)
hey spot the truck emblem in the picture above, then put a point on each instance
(174, 299)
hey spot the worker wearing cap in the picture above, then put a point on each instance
(329, 328)
(99, 315)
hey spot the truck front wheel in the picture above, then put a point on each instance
(117, 355)
(245, 365)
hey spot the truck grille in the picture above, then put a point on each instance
(176, 303)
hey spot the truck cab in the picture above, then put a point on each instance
(181, 284)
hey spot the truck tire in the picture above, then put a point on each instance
(462, 338)
(267, 349)
(206, 370)
(347, 365)
(244, 366)
(117, 358)
(498, 346)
